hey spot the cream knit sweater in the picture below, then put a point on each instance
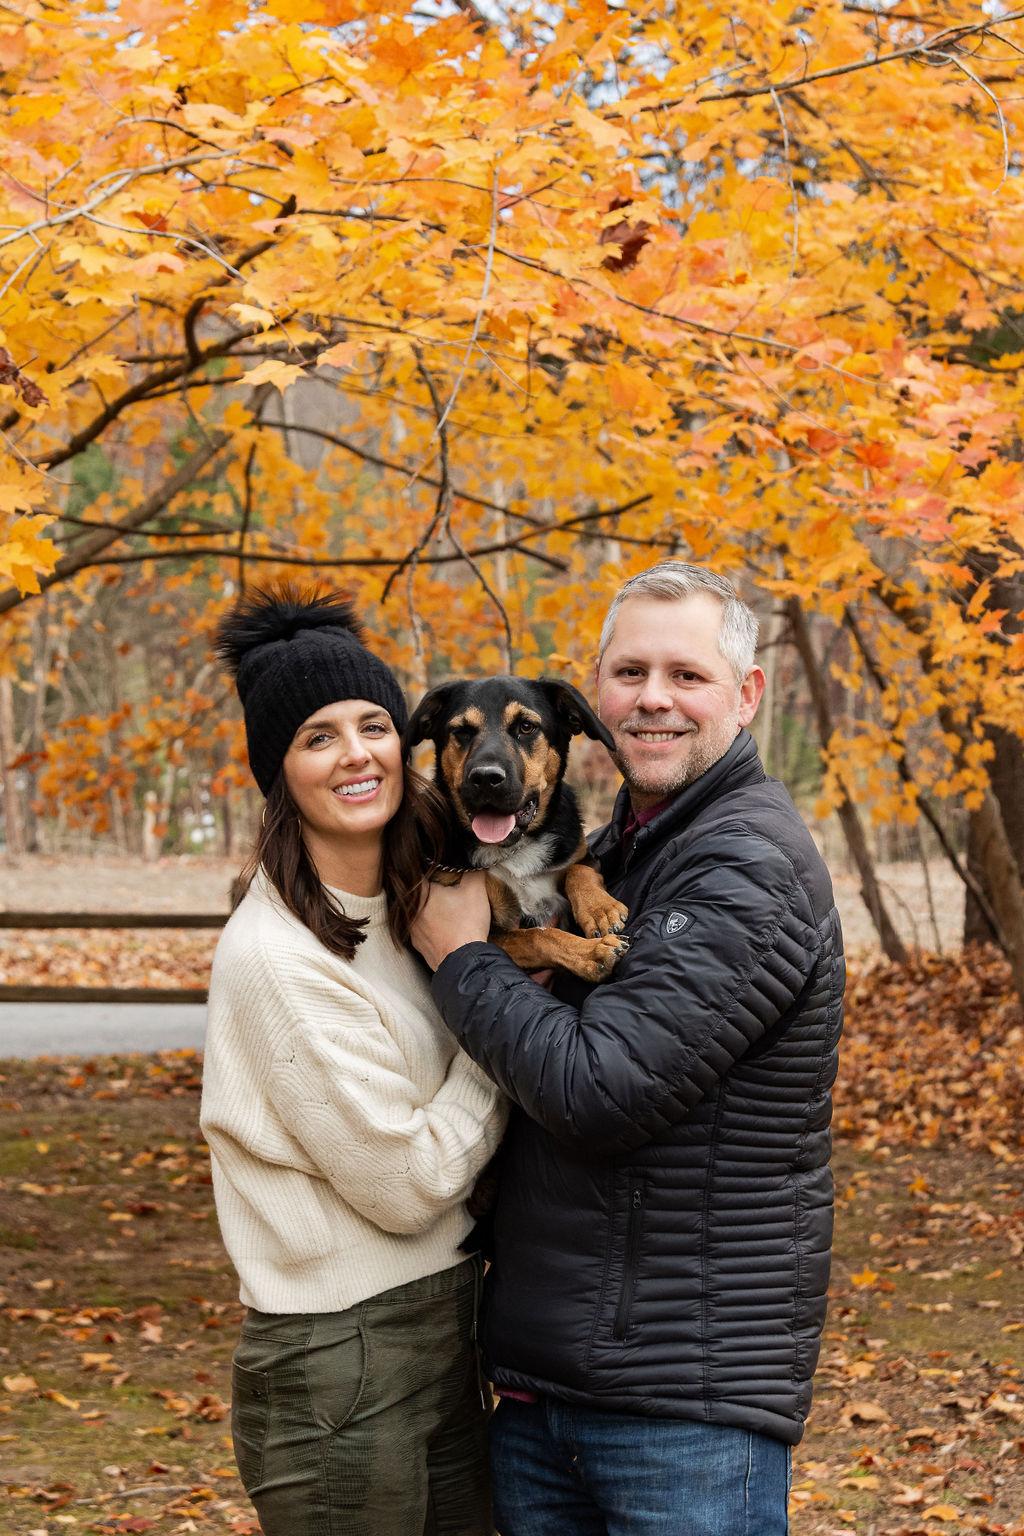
(345, 1125)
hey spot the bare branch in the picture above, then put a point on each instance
(389, 464)
(792, 192)
(914, 50)
(477, 319)
(520, 544)
(959, 63)
(107, 187)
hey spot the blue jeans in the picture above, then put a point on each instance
(559, 1470)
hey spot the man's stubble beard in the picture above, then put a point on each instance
(705, 753)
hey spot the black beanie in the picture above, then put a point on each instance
(292, 653)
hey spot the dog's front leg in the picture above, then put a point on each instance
(536, 949)
(595, 910)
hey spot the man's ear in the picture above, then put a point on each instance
(751, 689)
(573, 708)
(426, 717)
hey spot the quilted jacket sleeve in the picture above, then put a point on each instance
(721, 951)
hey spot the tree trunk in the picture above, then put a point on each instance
(973, 879)
(152, 842)
(1006, 774)
(768, 712)
(995, 853)
(34, 731)
(15, 840)
(849, 818)
(1006, 769)
(1002, 880)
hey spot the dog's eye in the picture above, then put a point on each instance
(528, 727)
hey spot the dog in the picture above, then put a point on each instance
(501, 745)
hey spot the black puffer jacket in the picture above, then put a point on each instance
(665, 1217)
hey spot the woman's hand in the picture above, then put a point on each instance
(452, 915)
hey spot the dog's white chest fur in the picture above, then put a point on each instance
(523, 869)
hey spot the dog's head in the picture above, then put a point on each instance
(501, 745)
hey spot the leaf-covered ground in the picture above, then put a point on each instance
(118, 1309)
(91, 957)
(118, 1305)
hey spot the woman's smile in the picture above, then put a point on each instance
(362, 790)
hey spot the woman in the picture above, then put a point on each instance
(346, 1128)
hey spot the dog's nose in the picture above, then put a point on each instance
(487, 776)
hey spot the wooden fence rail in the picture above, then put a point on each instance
(67, 994)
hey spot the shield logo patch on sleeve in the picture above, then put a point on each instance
(674, 923)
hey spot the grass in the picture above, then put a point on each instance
(118, 1315)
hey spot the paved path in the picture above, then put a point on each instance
(99, 1029)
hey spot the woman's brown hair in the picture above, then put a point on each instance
(412, 842)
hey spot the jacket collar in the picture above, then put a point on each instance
(740, 765)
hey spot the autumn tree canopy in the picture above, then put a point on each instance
(474, 311)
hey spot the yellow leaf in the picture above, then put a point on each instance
(248, 314)
(21, 1384)
(866, 1277)
(274, 372)
(604, 134)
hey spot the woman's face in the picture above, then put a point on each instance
(344, 772)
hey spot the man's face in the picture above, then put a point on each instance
(668, 696)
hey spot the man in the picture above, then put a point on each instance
(664, 1220)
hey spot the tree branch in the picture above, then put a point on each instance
(949, 36)
(389, 464)
(518, 545)
(87, 552)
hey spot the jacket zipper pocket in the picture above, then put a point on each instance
(634, 1228)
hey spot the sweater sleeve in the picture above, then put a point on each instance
(342, 1090)
(719, 955)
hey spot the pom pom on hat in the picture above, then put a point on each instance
(263, 617)
(291, 653)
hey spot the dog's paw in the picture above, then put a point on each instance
(602, 955)
(606, 916)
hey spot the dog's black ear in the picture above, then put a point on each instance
(426, 716)
(573, 708)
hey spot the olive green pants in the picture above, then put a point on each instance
(368, 1422)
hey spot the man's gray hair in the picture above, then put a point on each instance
(671, 580)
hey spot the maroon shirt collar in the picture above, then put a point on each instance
(637, 819)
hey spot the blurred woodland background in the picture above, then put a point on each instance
(472, 310)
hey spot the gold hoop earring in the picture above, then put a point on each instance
(263, 818)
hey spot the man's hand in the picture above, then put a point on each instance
(452, 915)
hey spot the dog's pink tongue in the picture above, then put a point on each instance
(492, 829)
